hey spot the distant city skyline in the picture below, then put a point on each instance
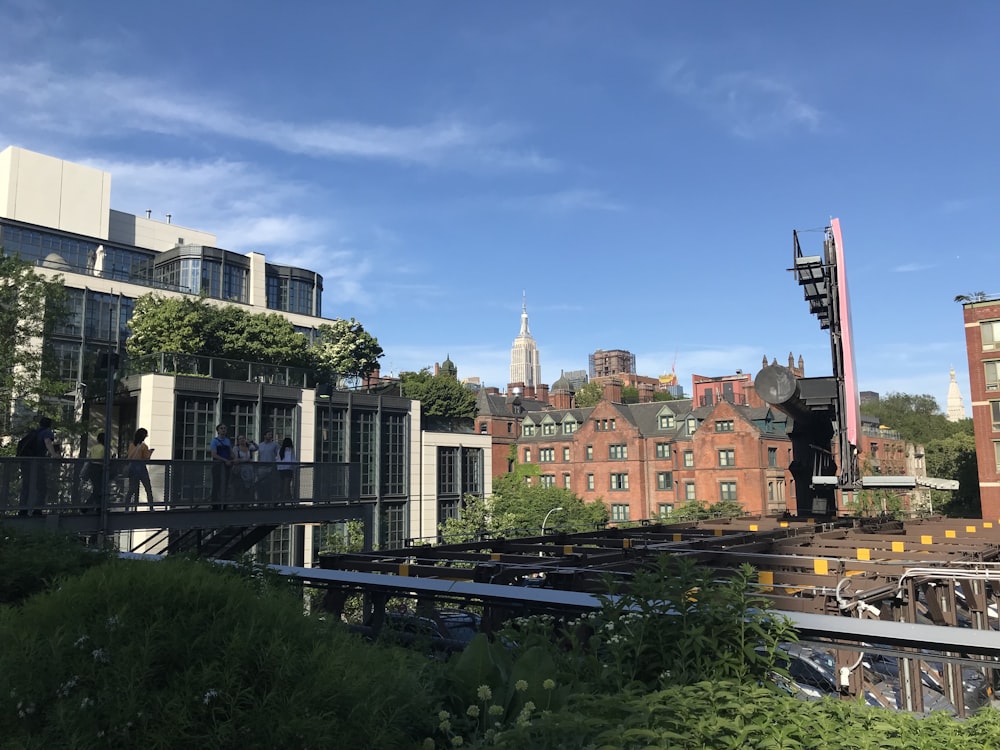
(638, 169)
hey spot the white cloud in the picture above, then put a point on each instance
(749, 105)
(566, 201)
(108, 103)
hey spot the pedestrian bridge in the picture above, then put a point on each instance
(196, 506)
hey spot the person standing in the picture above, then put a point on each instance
(286, 470)
(222, 457)
(267, 456)
(138, 473)
(95, 473)
(39, 443)
(244, 478)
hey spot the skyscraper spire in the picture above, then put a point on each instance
(525, 366)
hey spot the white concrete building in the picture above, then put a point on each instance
(58, 215)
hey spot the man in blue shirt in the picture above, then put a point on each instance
(34, 487)
(222, 457)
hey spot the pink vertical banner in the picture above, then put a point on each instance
(853, 405)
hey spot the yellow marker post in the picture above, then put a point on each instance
(821, 567)
(970, 529)
(987, 524)
(718, 532)
(926, 539)
(678, 537)
(899, 546)
(626, 543)
(864, 554)
(784, 524)
(753, 527)
(568, 549)
(404, 569)
(495, 556)
(949, 533)
(766, 578)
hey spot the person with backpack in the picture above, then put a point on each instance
(39, 443)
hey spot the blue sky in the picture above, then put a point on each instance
(635, 168)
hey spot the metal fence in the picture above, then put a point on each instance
(43, 486)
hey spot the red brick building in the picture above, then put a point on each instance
(642, 460)
(982, 342)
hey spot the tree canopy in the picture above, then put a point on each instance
(346, 349)
(439, 395)
(190, 325)
(30, 307)
(589, 394)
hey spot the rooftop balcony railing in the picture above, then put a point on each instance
(166, 363)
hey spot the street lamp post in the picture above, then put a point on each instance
(546, 519)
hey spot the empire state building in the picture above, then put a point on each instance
(524, 364)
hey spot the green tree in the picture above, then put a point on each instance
(525, 504)
(345, 349)
(177, 325)
(589, 394)
(917, 418)
(477, 517)
(954, 457)
(630, 394)
(30, 308)
(439, 395)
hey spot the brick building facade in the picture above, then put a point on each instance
(982, 341)
(642, 460)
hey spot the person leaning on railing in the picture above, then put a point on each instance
(242, 468)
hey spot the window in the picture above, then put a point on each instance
(590, 482)
(990, 330)
(483, 428)
(727, 491)
(992, 375)
(510, 427)
(664, 480)
(692, 425)
(527, 455)
(772, 457)
(617, 452)
(688, 459)
(547, 480)
(394, 526)
(565, 454)
(566, 481)
(590, 453)
(448, 480)
(663, 450)
(724, 425)
(666, 421)
(689, 491)
(569, 428)
(727, 457)
(546, 455)
(611, 424)
(995, 412)
(529, 430)
(664, 509)
(549, 428)
(620, 512)
(394, 457)
(619, 481)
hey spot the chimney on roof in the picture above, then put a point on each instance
(169, 216)
(149, 213)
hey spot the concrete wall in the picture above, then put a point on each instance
(153, 234)
(40, 189)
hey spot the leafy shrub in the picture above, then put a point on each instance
(33, 562)
(731, 715)
(182, 654)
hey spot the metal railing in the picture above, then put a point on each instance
(218, 367)
(45, 486)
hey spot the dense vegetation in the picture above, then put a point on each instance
(192, 325)
(181, 653)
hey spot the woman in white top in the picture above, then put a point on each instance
(243, 473)
(286, 470)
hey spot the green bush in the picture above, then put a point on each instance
(731, 715)
(33, 562)
(183, 654)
